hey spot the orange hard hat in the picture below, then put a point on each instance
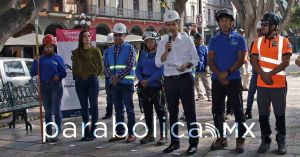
(49, 39)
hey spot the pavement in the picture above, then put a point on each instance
(19, 142)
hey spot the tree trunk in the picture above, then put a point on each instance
(13, 20)
(180, 8)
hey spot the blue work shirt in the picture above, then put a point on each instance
(49, 66)
(147, 70)
(227, 49)
(202, 53)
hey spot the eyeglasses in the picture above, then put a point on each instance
(118, 35)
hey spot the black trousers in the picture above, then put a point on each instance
(276, 96)
(181, 87)
(234, 93)
(152, 96)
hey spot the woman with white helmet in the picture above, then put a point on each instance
(150, 87)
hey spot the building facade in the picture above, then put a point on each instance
(137, 15)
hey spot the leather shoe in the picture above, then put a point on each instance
(114, 139)
(107, 117)
(191, 150)
(130, 138)
(171, 148)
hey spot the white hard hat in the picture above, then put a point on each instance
(171, 15)
(151, 35)
(258, 25)
(110, 38)
(119, 28)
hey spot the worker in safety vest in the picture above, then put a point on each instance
(270, 56)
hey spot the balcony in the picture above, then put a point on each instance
(124, 13)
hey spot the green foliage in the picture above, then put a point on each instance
(295, 19)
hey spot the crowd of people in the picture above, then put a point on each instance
(169, 69)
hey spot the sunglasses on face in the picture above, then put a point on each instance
(118, 35)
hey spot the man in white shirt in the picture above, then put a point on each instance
(176, 52)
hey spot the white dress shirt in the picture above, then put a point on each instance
(183, 51)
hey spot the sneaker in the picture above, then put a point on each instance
(149, 138)
(218, 144)
(56, 139)
(240, 143)
(248, 114)
(107, 117)
(282, 148)
(263, 147)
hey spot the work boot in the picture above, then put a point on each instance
(248, 114)
(218, 144)
(282, 147)
(263, 147)
(147, 139)
(240, 142)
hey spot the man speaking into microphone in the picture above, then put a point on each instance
(176, 52)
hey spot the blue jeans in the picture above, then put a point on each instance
(109, 101)
(52, 92)
(87, 91)
(252, 90)
(122, 95)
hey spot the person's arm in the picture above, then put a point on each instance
(194, 54)
(74, 63)
(158, 74)
(211, 62)
(34, 68)
(211, 57)
(62, 73)
(107, 71)
(159, 52)
(98, 61)
(139, 68)
(130, 64)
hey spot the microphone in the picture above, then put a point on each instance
(170, 39)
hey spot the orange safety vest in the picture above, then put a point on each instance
(270, 53)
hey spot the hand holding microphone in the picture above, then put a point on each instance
(168, 46)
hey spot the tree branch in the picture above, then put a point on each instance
(281, 8)
(287, 15)
(21, 17)
(5, 5)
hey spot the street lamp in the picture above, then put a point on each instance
(83, 21)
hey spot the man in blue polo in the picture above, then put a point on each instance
(226, 54)
(201, 69)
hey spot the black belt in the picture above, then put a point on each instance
(179, 76)
(85, 77)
